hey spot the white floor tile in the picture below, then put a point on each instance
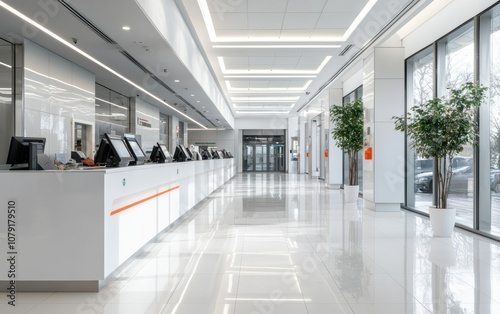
(277, 243)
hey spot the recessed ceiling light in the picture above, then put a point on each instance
(126, 28)
(177, 81)
(197, 101)
(192, 95)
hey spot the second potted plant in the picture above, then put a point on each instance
(347, 132)
(439, 129)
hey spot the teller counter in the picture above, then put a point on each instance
(73, 230)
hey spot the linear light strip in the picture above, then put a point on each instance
(358, 19)
(275, 46)
(270, 76)
(262, 112)
(281, 99)
(241, 71)
(86, 55)
(274, 89)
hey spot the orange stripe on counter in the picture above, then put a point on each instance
(119, 210)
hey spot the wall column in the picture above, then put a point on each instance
(335, 154)
(383, 98)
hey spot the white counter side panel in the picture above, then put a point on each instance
(58, 225)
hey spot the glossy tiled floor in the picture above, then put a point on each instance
(277, 243)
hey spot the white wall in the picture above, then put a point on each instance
(147, 123)
(383, 97)
(293, 131)
(351, 83)
(169, 21)
(273, 123)
(222, 139)
(56, 92)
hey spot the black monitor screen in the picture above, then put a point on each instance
(120, 147)
(136, 149)
(164, 149)
(119, 154)
(102, 154)
(19, 149)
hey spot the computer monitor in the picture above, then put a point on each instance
(181, 154)
(160, 153)
(205, 154)
(135, 149)
(119, 154)
(101, 156)
(23, 152)
(215, 155)
(187, 151)
(163, 148)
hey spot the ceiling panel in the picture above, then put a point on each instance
(227, 6)
(265, 20)
(336, 20)
(279, 84)
(345, 5)
(286, 60)
(294, 33)
(258, 33)
(300, 20)
(317, 33)
(232, 33)
(259, 84)
(230, 21)
(268, 61)
(267, 6)
(236, 62)
(306, 6)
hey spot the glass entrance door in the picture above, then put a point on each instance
(248, 158)
(261, 158)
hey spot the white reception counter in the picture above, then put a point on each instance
(70, 230)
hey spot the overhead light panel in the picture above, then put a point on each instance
(270, 71)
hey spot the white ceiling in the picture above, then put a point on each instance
(267, 55)
(266, 50)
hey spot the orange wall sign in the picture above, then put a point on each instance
(368, 153)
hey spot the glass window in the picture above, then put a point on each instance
(420, 69)
(489, 211)
(111, 112)
(456, 67)
(6, 105)
(164, 128)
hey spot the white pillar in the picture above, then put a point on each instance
(335, 154)
(383, 98)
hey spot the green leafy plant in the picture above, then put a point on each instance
(441, 127)
(347, 133)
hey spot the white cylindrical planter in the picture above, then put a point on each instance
(442, 221)
(351, 193)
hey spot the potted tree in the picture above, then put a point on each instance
(439, 129)
(347, 132)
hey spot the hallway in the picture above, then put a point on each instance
(278, 243)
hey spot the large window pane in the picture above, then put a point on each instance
(6, 106)
(456, 67)
(420, 69)
(490, 67)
